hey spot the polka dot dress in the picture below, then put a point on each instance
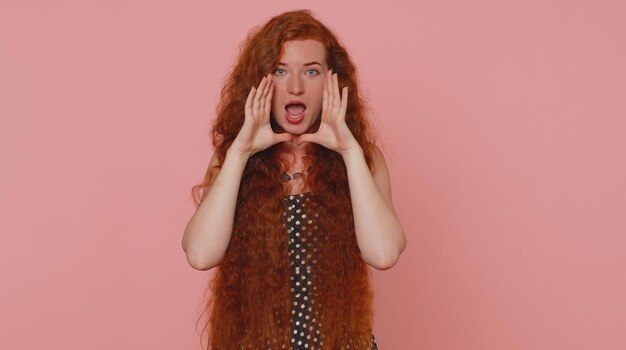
(305, 325)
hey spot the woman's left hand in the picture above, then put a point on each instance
(333, 132)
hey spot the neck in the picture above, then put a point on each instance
(292, 147)
(298, 150)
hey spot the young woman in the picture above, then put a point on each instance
(296, 201)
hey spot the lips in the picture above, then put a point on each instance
(295, 111)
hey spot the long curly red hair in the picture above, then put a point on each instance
(250, 299)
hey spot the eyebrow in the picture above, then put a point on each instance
(306, 64)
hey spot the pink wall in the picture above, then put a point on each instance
(503, 125)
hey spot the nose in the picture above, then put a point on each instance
(295, 85)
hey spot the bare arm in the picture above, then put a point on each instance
(208, 232)
(378, 230)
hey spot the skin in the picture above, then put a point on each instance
(315, 85)
(294, 80)
(378, 230)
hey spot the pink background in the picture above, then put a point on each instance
(503, 124)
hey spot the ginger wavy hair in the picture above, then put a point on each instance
(250, 299)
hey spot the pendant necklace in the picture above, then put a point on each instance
(296, 176)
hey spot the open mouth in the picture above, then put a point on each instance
(295, 112)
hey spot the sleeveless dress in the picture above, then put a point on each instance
(305, 328)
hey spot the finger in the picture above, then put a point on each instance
(324, 99)
(269, 87)
(268, 100)
(283, 137)
(257, 98)
(265, 92)
(336, 90)
(250, 98)
(329, 89)
(344, 101)
(306, 138)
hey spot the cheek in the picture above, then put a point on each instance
(319, 97)
(276, 95)
(319, 91)
(275, 102)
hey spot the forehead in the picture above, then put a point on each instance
(298, 52)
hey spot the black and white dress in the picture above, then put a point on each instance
(302, 247)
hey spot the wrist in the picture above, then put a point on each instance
(235, 152)
(352, 151)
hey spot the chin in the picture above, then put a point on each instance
(296, 129)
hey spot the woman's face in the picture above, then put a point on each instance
(298, 86)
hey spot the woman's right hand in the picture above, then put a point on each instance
(256, 134)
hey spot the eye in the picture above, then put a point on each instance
(313, 70)
(277, 70)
